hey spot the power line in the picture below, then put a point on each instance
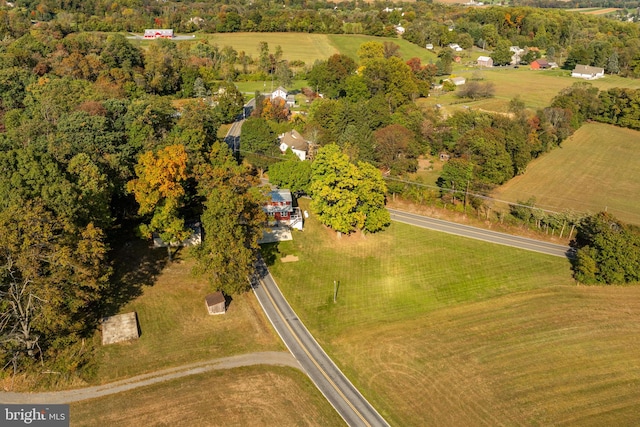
(480, 196)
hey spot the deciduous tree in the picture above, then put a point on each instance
(233, 221)
(159, 190)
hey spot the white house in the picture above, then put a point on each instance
(281, 92)
(216, 303)
(517, 53)
(456, 47)
(429, 46)
(587, 72)
(158, 34)
(294, 141)
(458, 81)
(484, 61)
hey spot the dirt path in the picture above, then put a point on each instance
(68, 396)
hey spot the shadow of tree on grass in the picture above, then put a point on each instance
(136, 265)
(269, 252)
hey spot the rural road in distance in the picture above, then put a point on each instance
(482, 234)
(332, 383)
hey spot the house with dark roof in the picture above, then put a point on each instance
(216, 303)
(587, 72)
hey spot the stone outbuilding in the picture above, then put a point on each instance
(120, 328)
(216, 303)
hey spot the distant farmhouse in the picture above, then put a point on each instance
(295, 142)
(458, 81)
(517, 53)
(484, 61)
(540, 64)
(587, 72)
(281, 92)
(158, 34)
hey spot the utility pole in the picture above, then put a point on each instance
(466, 195)
(335, 291)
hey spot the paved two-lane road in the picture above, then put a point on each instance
(337, 389)
(482, 234)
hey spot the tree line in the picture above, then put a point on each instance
(92, 152)
(578, 38)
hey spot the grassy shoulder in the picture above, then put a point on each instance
(437, 329)
(257, 395)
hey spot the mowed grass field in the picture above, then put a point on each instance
(310, 47)
(175, 326)
(256, 396)
(441, 330)
(536, 88)
(596, 169)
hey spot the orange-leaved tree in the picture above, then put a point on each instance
(159, 190)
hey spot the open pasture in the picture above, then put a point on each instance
(536, 88)
(295, 46)
(596, 169)
(310, 47)
(239, 397)
(441, 330)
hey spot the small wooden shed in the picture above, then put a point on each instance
(119, 328)
(216, 303)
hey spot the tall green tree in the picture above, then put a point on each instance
(502, 55)
(233, 221)
(292, 173)
(346, 197)
(607, 251)
(258, 143)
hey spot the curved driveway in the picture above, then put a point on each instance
(482, 234)
(68, 396)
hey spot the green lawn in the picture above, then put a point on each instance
(402, 273)
(596, 169)
(175, 326)
(441, 330)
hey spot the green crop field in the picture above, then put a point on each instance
(596, 169)
(441, 330)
